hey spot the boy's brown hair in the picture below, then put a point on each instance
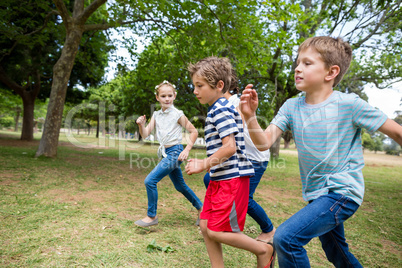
(333, 51)
(213, 69)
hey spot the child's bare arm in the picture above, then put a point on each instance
(393, 130)
(228, 148)
(184, 122)
(262, 140)
(145, 130)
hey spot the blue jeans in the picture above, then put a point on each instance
(324, 218)
(169, 165)
(254, 209)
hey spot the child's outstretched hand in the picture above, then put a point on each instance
(194, 166)
(248, 101)
(141, 120)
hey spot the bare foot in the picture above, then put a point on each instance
(266, 237)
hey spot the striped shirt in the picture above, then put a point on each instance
(328, 140)
(223, 120)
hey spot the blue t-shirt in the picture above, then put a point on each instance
(328, 140)
(223, 120)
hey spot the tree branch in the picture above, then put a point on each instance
(345, 16)
(4, 78)
(384, 18)
(219, 21)
(89, 10)
(53, 12)
(63, 12)
(78, 8)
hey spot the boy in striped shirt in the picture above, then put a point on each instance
(326, 126)
(225, 206)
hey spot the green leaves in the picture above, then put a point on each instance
(153, 246)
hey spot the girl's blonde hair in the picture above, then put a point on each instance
(165, 82)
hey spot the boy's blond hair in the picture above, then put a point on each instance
(333, 51)
(213, 69)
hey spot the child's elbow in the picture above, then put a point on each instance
(262, 148)
(231, 151)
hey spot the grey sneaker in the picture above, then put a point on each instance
(146, 224)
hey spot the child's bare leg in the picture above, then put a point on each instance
(214, 248)
(262, 250)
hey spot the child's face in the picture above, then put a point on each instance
(166, 95)
(310, 71)
(204, 92)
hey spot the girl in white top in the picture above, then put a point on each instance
(168, 123)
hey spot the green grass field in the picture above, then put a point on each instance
(78, 210)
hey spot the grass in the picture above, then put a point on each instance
(78, 210)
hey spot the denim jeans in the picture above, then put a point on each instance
(324, 218)
(169, 165)
(254, 209)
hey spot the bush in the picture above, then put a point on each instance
(6, 121)
(393, 149)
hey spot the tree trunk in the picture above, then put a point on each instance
(286, 144)
(28, 119)
(17, 118)
(275, 148)
(61, 74)
(287, 137)
(28, 94)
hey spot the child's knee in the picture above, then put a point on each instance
(280, 237)
(203, 227)
(179, 188)
(149, 182)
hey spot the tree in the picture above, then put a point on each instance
(378, 144)
(10, 107)
(31, 42)
(372, 28)
(367, 141)
(148, 15)
(261, 39)
(22, 53)
(398, 117)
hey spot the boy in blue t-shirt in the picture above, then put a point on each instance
(225, 205)
(326, 126)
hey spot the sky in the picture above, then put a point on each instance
(388, 100)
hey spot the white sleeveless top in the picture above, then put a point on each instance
(168, 130)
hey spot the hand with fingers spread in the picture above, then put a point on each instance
(249, 101)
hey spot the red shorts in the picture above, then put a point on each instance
(225, 205)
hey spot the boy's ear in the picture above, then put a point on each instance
(332, 73)
(220, 85)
